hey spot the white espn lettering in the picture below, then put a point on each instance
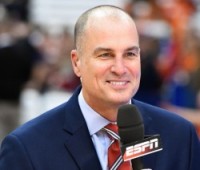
(141, 147)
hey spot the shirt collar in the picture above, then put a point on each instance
(94, 120)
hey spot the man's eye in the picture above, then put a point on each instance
(105, 55)
(131, 54)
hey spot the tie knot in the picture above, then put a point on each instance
(112, 130)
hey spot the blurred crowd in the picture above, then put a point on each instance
(36, 72)
(170, 44)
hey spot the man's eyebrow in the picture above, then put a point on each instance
(134, 48)
(98, 49)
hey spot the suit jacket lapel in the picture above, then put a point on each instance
(79, 142)
(82, 150)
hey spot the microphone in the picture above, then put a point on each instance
(133, 143)
(130, 129)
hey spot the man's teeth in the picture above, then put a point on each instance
(117, 83)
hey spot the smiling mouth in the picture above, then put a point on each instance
(118, 83)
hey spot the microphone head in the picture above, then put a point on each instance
(130, 124)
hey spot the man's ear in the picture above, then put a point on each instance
(75, 62)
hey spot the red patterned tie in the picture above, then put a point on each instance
(115, 160)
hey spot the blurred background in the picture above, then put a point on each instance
(36, 38)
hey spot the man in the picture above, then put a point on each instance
(71, 136)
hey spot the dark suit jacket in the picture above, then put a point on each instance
(60, 140)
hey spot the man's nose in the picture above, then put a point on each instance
(118, 66)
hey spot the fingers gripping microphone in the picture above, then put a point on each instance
(131, 129)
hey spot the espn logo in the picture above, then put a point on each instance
(141, 148)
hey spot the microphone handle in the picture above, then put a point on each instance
(136, 164)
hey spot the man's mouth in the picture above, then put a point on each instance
(118, 83)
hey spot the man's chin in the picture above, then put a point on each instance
(121, 102)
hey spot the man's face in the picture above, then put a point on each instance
(109, 64)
